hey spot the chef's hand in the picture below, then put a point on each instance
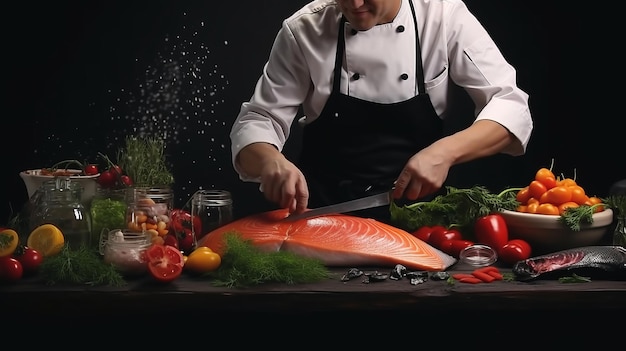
(423, 175)
(284, 184)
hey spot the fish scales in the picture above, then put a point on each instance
(336, 240)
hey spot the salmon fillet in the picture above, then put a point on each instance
(337, 240)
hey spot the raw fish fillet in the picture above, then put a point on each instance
(337, 240)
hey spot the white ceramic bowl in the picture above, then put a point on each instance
(547, 233)
(33, 180)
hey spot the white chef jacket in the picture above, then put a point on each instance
(454, 46)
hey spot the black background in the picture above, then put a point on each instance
(80, 76)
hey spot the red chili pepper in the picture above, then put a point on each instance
(492, 231)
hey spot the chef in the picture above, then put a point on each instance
(372, 79)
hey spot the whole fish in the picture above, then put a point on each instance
(604, 259)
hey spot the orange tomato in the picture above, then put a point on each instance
(537, 189)
(558, 195)
(594, 200)
(564, 206)
(532, 207)
(545, 176)
(523, 195)
(578, 194)
(567, 182)
(547, 209)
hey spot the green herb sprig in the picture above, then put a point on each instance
(79, 266)
(575, 217)
(244, 265)
(458, 207)
(143, 159)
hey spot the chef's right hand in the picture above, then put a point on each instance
(284, 184)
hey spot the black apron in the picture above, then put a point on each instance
(357, 148)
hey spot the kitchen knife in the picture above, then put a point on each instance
(348, 206)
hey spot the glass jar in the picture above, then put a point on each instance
(125, 250)
(108, 211)
(211, 209)
(149, 210)
(59, 203)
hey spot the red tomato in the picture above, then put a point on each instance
(515, 250)
(107, 179)
(30, 259)
(126, 180)
(165, 262)
(186, 242)
(91, 169)
(453, 247)
(423, 233)
(181, 223)
(491, 230)
(441, 234)
(10, 269)
(170, 239)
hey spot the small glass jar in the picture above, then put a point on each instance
(108, 211)
(125, 250)
(211, 209)
(149, 210)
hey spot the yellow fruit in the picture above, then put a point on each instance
(202, 261)
(47, 239)
(8, 242)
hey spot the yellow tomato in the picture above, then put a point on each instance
(8, 242)
(202, 260)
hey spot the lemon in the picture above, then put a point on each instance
(47, 239)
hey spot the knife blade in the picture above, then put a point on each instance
(348, 206)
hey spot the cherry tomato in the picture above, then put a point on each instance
(492, 231)
(523, 195)
(126, 180)
(547, 209)
(558, 195)
(537, 189)
(423, 233)
(165, 262)
(578, 194)
(441, 234)
(107, 179)
(10, 269)
(170, 239)
(515, 250)
(564, 206)
(453, 247)
(30, 259)
(91, 169)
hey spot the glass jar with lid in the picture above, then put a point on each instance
(125, 250)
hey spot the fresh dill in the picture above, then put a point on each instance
(575, 217)
(79, 266)
(458, 207)
(245, 265)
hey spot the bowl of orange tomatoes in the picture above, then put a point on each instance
(544, 205)
(549, 233)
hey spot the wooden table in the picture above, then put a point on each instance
(352, 302)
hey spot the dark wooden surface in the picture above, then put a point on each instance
(196, 295)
